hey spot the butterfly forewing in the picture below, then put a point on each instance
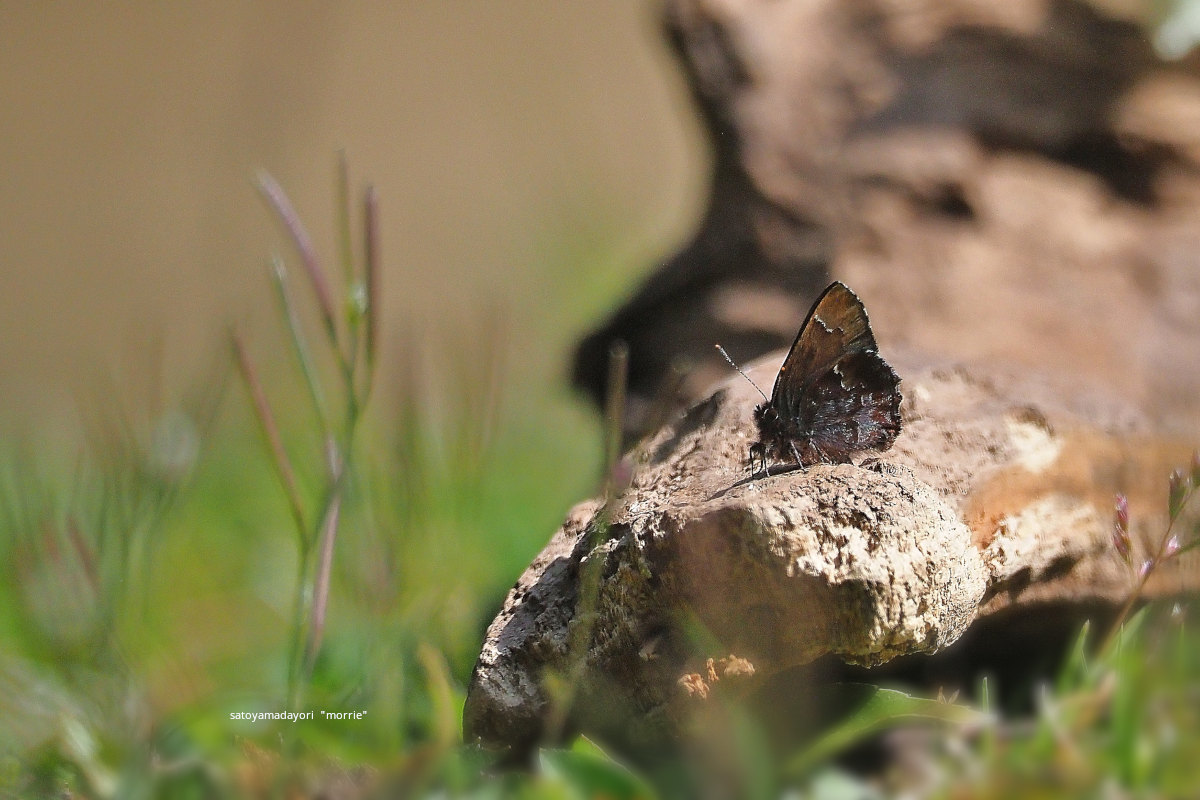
(835, 326)
(834, 396)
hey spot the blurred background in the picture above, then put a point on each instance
(531, 159)
(534, 160)
(529, 156)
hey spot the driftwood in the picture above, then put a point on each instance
(996, 498)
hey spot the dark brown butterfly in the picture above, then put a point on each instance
(834, 396)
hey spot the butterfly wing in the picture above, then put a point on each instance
(836, 325)
(836, 392)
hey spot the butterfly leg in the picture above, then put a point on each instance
(758, 458)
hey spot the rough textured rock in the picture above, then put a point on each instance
(1012, 187)
(697, 578)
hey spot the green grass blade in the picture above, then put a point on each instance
(590, 772)
(879, 710)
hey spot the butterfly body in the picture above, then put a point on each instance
(835, 396)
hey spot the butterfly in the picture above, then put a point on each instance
(834, 396)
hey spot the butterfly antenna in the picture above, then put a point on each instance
(744, 375)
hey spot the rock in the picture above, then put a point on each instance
(701, 578)
(1012, 189)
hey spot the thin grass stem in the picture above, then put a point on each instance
(345, 243)
(300, 344)
(371, 280)
(353, 291)
(614, 405)
(282, 206)
(320, 602)
(298, 633)
(270, 432)
(355, 354)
